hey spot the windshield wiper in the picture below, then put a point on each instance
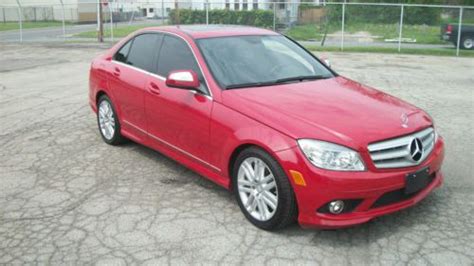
(250, 84)
(300, 78)
(278, 81)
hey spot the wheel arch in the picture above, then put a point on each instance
(99, 94)
(102, 91)
(241, 147)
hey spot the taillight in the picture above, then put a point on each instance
(449, 29)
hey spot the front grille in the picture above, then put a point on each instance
(403, 151)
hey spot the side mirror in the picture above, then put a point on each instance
(183, 79)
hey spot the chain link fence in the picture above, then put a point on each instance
(319, 25)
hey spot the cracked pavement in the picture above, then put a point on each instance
(68, 198)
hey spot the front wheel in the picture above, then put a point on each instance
(109, 125)
(262, 190)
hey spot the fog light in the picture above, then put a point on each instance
(336, 207)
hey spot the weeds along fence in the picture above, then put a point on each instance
(336, 25)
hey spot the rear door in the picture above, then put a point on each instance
(178, 118)
(130, 70)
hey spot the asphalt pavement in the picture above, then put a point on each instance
(68, 198)
(55, 34)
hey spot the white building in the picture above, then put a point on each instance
(86, 10)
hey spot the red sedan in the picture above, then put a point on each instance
(258, 114)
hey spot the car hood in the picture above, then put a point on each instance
(337, 110)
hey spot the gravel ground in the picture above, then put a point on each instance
(66, 197)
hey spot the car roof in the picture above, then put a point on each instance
(211, 31)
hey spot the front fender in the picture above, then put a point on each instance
(231, 130)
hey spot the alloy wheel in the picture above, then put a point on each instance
(106, 120)
(257, 189)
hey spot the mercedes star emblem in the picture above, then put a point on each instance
(416, 149)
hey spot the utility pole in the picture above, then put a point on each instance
(20, 19)
(100, 28)
(63, 19)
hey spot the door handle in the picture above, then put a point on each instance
(116, 71)
(154, 88)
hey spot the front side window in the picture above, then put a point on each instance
(175, 54)
(143, 51)
(246, 61)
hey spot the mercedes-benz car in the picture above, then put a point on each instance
(258, 114)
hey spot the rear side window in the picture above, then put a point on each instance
(176, 55)
(143, 51)
(122, 54)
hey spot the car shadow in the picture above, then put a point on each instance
(365, 234)
(165, 161)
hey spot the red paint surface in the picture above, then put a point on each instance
(202, 132)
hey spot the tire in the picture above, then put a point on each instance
(285, 211)
(467, 42)
(105, 116)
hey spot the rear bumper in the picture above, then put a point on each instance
(446, 37)
(365, 188)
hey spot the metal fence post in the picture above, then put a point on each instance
(131, 17)
(400, 31)
(342, 27)
(207, 12)
(20, 20)
(274, 15)
(64, 19)
(459, 31)
(162, 12)
(111, 14)
(100, 24)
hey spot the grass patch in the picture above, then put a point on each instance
(423, 34)
(30, 25)
(120, 31)
(303, 30)
(384, 50)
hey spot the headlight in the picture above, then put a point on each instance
(331, 156)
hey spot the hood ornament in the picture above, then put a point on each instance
(404, 119)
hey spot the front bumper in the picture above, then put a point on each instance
(367, 188)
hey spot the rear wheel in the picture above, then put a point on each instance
(467, 42)
(262, 190)
(109, 125)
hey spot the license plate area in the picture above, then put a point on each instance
(417, 181)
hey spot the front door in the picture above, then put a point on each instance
(178, 118)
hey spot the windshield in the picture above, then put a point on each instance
(248, 61)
